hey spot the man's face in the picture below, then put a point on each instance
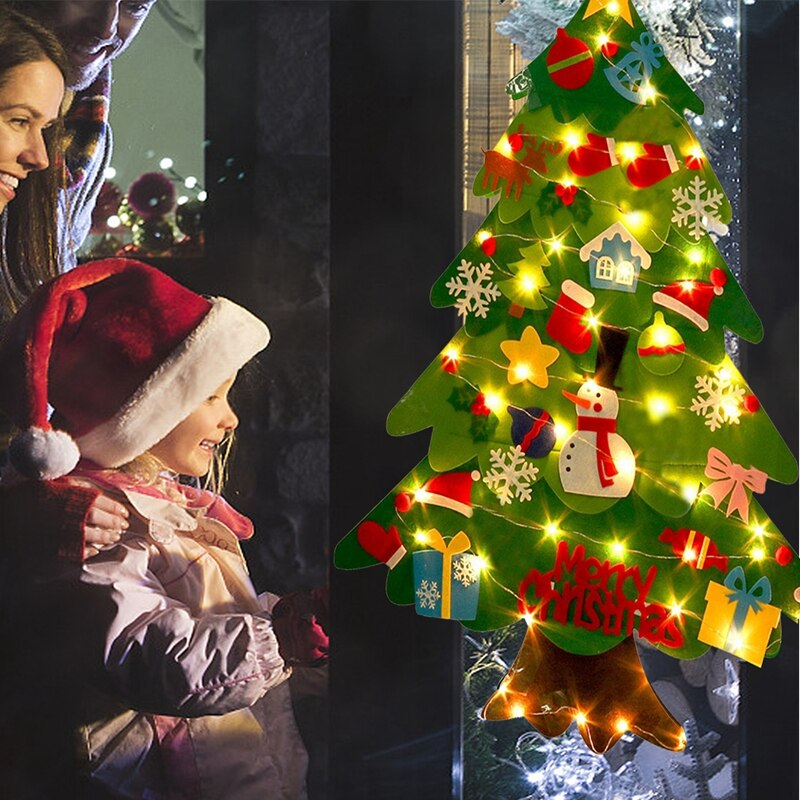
(92, 31)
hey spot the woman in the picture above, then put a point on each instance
(33, 69)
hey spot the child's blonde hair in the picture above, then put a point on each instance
(147, 467)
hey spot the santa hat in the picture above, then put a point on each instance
(122, 353)
(451, 490)
(692, 299)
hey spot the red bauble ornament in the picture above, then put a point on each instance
(489, 245)
(751, 403)
(569, 61)
(784, 555)
(152, 195)
(609, 49)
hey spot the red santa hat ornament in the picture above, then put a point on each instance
(122, 353)
(451, 490)
(692, 299)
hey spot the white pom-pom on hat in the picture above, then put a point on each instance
(43, 454)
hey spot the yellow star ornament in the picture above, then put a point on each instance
(529, 358)
(618, 7)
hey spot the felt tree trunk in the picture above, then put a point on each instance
(594, 452)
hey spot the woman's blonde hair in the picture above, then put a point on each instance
(30, 253)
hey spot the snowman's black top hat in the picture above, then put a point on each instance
(610, 349)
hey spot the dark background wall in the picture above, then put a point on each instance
(334, 149)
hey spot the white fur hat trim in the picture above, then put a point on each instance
(43, 454)
(224, 341)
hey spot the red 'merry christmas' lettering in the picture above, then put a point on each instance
(595, 597)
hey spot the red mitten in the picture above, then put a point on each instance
(301, 639)
(595, 157)
(659, 162)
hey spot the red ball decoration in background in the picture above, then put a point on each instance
(783, 555)
(108, 202)
(569, 61)
(152, 195)
(751, 403)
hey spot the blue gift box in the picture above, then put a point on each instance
(447, 579)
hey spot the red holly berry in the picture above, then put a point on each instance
(515, 141)
(751, 403)
(479, 407)
(783, 555)
(449, 365)
(609, 49)
(489, 245)
(402, 502)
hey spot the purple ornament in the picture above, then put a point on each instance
(533, 430)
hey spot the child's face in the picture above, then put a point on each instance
(189, 448)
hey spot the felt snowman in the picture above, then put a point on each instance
(595, 460)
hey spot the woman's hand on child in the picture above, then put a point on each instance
(105, 522)
(301, 639)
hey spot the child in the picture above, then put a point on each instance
(185, 691)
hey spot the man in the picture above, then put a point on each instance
(93, 32)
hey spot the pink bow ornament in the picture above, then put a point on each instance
(732, 479)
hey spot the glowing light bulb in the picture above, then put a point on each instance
(504, 147)
(628, 151)
(602, 39)
(451, 353)
(621, 725)
(421, 496)
(182, 200)
(580, 718)
(109, 173)
(613, 7)
(113, 221)
(166, 163)
(561, 430)
(421, 537)
(695, 255)
(725, 375)
(494, 402)
(689, 555)
(190, 182)
(658, 406)
(529, 618)
(502, 688)
(618, 549)
(757, 553)
(528, 282)
(202, 196)
(592, 321)
(551, 529)
(690, 492)
(556, 246)
(728, 22)
(482, 236)
(518, 710)
(482, 564)
(572, 139)
(626, 465)
(676, 610)
(522, 372)
(687, 286)
(635, 219)
(759, 530)
(649, 92)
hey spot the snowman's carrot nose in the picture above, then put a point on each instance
(579, 401)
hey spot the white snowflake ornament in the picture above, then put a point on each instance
(719, 399)
(473, 289)
(511, 476)
(697, 207)
(465, 570)
(428, 594)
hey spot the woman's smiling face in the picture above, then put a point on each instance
(30, 98)
(188, 449)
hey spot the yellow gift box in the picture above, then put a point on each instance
(737, 619)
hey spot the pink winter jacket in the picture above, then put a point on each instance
(196, 703)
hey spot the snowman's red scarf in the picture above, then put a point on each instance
(606, 468)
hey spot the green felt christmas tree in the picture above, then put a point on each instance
(594, 452)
